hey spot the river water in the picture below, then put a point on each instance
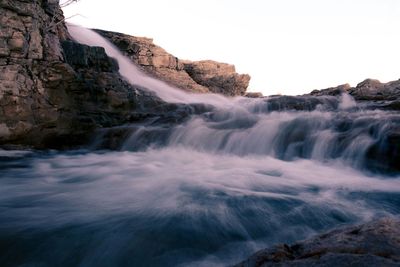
(207, 192)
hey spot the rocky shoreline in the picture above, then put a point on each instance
(56, 93)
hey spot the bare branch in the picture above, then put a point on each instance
(56, 19)
(67, 3)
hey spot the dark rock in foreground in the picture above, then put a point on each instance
(372, 244)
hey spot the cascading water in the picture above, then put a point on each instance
(246, 174)
(135, 76)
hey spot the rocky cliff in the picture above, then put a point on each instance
(193, 76)
(55, 92)
(373, 244)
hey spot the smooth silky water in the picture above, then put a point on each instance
(217, 187)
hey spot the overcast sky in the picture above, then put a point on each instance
(287, 46)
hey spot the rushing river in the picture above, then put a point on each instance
(205, 192)
(212, 192)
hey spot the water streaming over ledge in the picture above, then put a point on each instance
(209, 191)
(137, 77)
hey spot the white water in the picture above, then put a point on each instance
(135, 76)
(175, 206)
(207, 192)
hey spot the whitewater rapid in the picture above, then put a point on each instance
(174, 206)
(207, 191)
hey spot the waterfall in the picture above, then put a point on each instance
(328, 128)
(208, 190)
(135, 76)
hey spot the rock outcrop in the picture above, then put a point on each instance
(54, 92)
(372, 244)
(218, 77)
(375, 90)
(367, 90)
(193, 76)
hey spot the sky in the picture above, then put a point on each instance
(287, 46)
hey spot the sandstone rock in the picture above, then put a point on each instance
(199, 77)
(372, 244)
(218, 77)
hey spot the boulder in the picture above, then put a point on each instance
(372, 244)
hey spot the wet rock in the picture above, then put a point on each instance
(299, 103)
(83, 56)
(372, 244)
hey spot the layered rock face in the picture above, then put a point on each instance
(54, 92)
(372, 244)
(30, 56)
(193, 76)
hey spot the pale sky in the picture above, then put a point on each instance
(287, 46)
